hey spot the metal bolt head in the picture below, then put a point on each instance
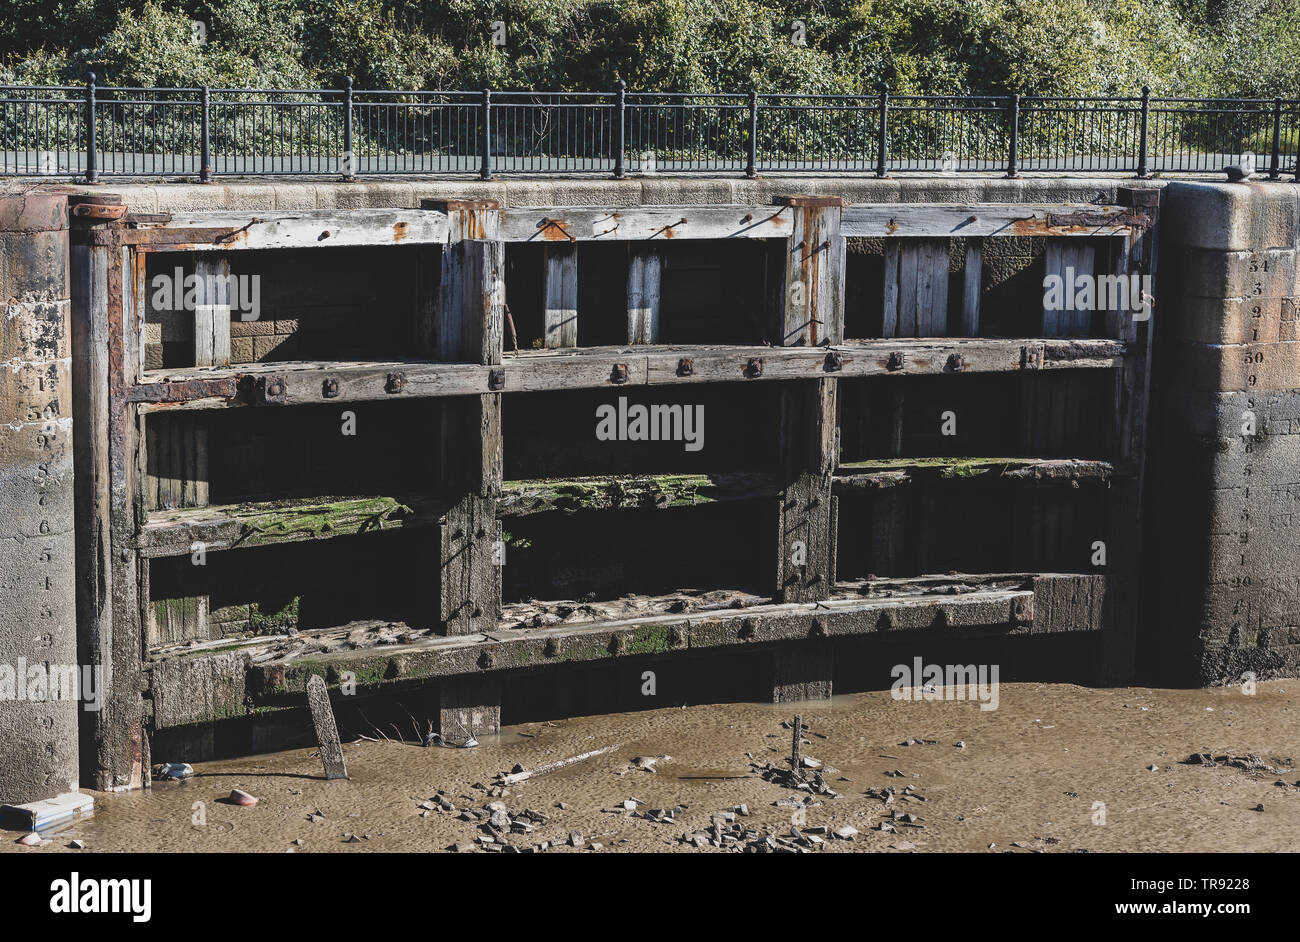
(754, 368)
(956, 363)
(834, 361)
(330, 388)
(396, 383)
(895, 361)
(618, 375)
(686, 366)
(497, 378)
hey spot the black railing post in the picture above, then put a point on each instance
(882, 145)
(485, 169)
(620, 130)
(1013, 156)
(92, 170)
(1143, 170)
(1275, 161)
(751, 167)
(349, 168)
(205, 145)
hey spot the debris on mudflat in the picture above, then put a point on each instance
(806, 780)
(241, 798)
(172, 771)
(1245, 763)
(919, 742)
(512, 778)
(647, 763)
(497, 824)
(435, 739)
(726, 833)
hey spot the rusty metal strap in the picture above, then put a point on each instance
(184, 391)
(1093, 220)
(179, 237)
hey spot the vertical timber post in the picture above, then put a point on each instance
(106, 355)
(469, 315)
(1133, 382)
(812, 314)
(38, 575)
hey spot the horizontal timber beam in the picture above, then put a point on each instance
(891, 472)
(971, 220)
(308, 382)
(228, 231)
(1007, 605)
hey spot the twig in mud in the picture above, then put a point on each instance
(373, 726)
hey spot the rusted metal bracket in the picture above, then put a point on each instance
(183, 391)
(262, 390)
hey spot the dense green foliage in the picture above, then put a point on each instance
(1065, 47)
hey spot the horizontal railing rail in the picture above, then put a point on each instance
(91, 131)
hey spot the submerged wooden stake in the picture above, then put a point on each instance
(327, 732)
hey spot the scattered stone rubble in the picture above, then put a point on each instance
(1245, 763)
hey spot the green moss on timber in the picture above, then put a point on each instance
(274, 622)
(946, 467)
(650, 640)
(311, 521)
(607, 493)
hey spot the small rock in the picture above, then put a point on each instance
(461, 847)
(76, 845)
(1152, 768)
(241, 798)
(576, 839)
(29, 840)
(846, 833)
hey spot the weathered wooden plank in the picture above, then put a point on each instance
(628, 492)
(327, 731)
(267, 523)
(637, 223)
(309, 382)
(470, 578)
(234, 231)
(970, 299)
(1006, 604)
(892, 472)
(916, 288)
(948, 220)
(645, 266)
(212, 310)
(1067, 260)
(889, 325)
(560, 288)
(812, 298)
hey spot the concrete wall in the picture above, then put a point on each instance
(38, 737)
(1223, 482)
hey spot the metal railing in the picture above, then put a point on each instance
(92, 131)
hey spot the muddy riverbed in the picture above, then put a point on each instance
(1042, 772)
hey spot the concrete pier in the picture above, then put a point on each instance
(38, 640)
